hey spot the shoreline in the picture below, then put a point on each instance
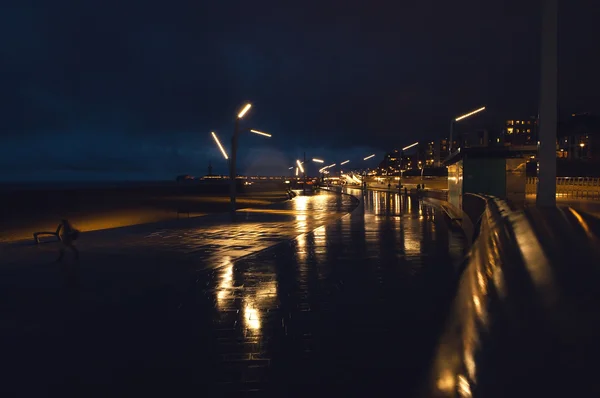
(24, 212)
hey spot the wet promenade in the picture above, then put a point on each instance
(353, 306)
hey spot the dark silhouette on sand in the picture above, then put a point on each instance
(68, 235)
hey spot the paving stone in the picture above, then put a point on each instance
(351, 307)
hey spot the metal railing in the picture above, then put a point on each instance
(570, 187)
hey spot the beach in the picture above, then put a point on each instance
(27, 209)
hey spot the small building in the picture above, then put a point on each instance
(496, 171)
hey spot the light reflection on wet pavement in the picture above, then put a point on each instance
(353, 306)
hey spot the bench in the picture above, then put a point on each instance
(36, 235)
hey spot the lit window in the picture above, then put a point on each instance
(518, 131)
(497, 139)
(509, 122)
(529, 122)
(509, 130)
(529, 130)
(518, 122)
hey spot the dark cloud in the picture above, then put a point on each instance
(326, 74)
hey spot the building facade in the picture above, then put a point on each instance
(521, 131)
(579, 138)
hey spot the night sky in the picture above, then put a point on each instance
(131, 90)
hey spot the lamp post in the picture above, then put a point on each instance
(458, 119)
(402, 157)
(341, 171)
(546, 189)
(234, 145)
(365, 174)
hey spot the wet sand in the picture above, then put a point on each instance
(26, 211)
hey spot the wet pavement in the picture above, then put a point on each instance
(354, 306)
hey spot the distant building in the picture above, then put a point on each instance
(520, 131)
(441, 151)
(429, 154)
(391, 163)
(579, 138)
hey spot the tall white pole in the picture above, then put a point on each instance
(548, 118)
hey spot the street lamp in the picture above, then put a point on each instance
(219, 145)
(458, 119)
(234, 144)
(410, 146)
(261, 133)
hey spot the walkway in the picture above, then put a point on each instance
(590, 206)
(354, 306)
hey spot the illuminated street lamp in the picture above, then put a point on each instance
(369, 157)
(219, 145)
(410, 146)
(458, 119)
(261, 133)
(234, 144)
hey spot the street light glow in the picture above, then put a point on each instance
(296, 171)
(246, 109)
(344, 162)
(582, 145)
(469, 114)
(291, 168)
(410, 146)
(369, 157)
(318, 160)
(219, 145)
(260, 133)
(331, 165)
(300, 165)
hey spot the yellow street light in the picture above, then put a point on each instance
(318, 160)
(260, 133)
(582, 145)
(219, 145)
(410, 146)
(300, 166)
(244, 110)
(369, 157)
(466, 115)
